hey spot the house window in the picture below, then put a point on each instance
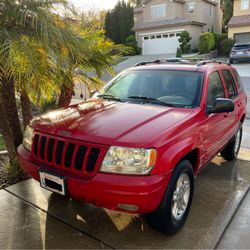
(244, 4)
(146, 37)
(152, 37)
(191, 7)
(211, 10)
(158, 36)
(171, 35)
(165, 36)
(158, 11)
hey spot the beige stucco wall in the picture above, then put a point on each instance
(193, 30)
(237, 30)
(173, 10)
(237, 9)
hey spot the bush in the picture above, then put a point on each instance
(178, 53)
(131, 42)
(206, 42)
(226, 46)
(218, 39)
(184, 40)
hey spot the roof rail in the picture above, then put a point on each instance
(171, 60)
(201, 61)
(204, 62)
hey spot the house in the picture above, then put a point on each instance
(239, 24)
(158, 23)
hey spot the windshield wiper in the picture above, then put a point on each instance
(151, 100)
(109, 97)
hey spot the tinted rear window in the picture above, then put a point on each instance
(241, 47)
(238, 80)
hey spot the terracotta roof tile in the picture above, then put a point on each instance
(239, 21)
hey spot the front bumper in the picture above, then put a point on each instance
(106, 190)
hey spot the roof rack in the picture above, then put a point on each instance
(173, 60)
(204, 62)
(201, 61)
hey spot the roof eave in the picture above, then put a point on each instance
(169, 25)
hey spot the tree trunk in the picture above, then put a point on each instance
(9, 102)
(26, 109)
(65, 95)
(6, 132)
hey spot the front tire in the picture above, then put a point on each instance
(231, 151)
(172, 213)
(231, 61)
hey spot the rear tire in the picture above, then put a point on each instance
(231, 61)
(231, 151)
(173, 210)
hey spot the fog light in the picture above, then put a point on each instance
(128, 207)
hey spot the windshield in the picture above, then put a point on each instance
(176, 88)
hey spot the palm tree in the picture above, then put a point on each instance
(39, 55)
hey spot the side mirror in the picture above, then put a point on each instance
(221, 105)
(94, 94)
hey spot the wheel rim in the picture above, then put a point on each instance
(181, 196)
(237, 142)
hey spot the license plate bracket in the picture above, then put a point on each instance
(53, 182)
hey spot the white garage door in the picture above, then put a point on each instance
(160, 44)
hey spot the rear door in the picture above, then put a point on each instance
(233, 95)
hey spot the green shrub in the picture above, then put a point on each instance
(131, 42)
(13, 170)
(184, 40)
(178, 53)
(226, 46)
(206, 42)
(218, 38)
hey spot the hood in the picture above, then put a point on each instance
(111, 123)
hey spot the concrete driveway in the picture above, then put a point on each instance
(31, 217)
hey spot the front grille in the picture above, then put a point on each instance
(73, 156)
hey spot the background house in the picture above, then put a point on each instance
(239, 24)
(158, 23)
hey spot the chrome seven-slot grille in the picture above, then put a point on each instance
(74, 156)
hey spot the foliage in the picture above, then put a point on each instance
(42, 52)
(92, 19)
(131, 42)
(218, 39)
(178, 53)
(135, 2)
(2, 146)
(226, 46)
(227, 6)
(13, 170)
(184, 40)
(206, 42)
(119, 22)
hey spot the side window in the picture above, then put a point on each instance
(215, 89)
(229, 84)
(238, 80)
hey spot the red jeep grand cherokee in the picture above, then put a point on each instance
(137, 146)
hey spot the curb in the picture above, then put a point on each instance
(244, 154)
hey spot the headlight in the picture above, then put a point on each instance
(134, 161)
(27, 137)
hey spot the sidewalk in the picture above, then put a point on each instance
(237, 234)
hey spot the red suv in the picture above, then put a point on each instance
(137, 146)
